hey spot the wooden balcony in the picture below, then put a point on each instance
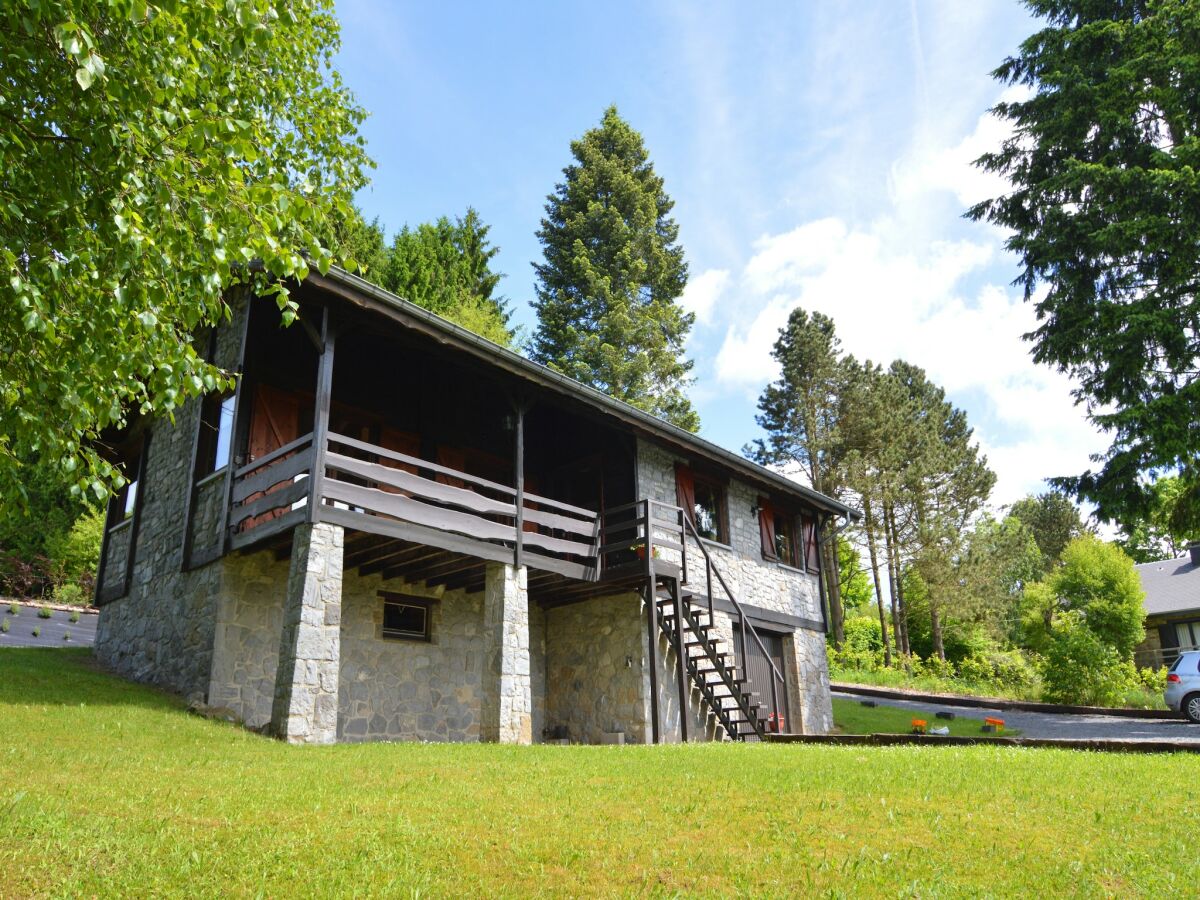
(376, 491)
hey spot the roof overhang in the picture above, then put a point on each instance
(366, 295)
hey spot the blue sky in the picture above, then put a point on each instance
(818, 153)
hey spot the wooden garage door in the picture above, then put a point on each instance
(759, 670)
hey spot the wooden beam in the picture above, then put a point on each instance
(321, 418)
(418, 534)
(519, 479)
(403, 557)
(651, 599)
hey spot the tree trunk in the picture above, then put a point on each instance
(869, 526)
(897, 582)
(935, 629)
(833, 587)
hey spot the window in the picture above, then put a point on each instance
(702, 498)
(786, 546)
(406, 618)
(124, 502)
(216, 433)
(1188, 635)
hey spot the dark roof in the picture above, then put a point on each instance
(561, 384)
(1171, 586)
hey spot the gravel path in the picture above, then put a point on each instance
(20, 628)
(1060, 725)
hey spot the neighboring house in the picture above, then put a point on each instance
(1172, 608)
(432, 538)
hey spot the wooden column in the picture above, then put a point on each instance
(321, 418)
(519, 480)
(652, 658)
(817, 525)
(681, 662)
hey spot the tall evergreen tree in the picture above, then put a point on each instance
(445, 267)
(608, 290)
(1105, 217)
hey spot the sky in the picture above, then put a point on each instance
(819, 155)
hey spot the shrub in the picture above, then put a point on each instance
(76, 552)
(933, 667)
(13, 609)
(69, 594)
(66, 635)
(1081, 668)
(37, 632)
(74, 617)
(4, 627)
(1153, 681)
(975, 669)
(44, 613)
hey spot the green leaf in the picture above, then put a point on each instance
(84, 76)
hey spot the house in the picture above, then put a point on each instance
(394, 529)
(1172, 604)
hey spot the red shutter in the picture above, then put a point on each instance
(685, 491)
(766, 528)
(812, 558)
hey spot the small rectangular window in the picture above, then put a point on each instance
(708, 510)
(406, 618)
(785, 539)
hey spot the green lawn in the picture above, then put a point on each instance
(111, 788)
(851, 717)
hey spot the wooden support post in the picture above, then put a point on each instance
(681, 660)
(519, 481)
(241, 421)
(652, 657)
(820, 572)
(316, 478)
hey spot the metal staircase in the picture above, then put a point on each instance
(705, 661)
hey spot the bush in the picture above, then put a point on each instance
(76, 552)
(74, 617)
(37, 632)
(4, 627)
(933, 667)
(69, 594)
(44, 613)
(1152, 681)
(1081, 668)
(13, 609)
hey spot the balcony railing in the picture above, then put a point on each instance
(373, 489)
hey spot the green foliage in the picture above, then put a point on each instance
(1104, 210)
(856, 590)
(69, 594)
(44, 612)
(446, 268)
(608, 289)
(151, 152)
(66, 635)
(13, 609)
(37, 632)
(1099, 580)
(1052, 520)
(76, 554)
(1152, 681)
(4, 626)
(74, 617)
(1166, 525)
(1079, 667)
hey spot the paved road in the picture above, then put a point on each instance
(21, 625)
(1060, 725)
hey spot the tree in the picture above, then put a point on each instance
(608, 290)
(1097, 582)
(152, 155)
(853, 584)
(1054, 522)
(800, 413)
(446, 268)
(1105, 215)
(1165, 528)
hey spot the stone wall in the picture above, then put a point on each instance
(755, 582)
(596, 676)
(162, 630)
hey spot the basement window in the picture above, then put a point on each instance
(406, 618)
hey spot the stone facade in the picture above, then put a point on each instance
(162, 630)
(756, 583)
(306, 677)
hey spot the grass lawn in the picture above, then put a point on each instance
(851, 717)
(111, 788)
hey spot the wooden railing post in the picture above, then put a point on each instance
(321, 418)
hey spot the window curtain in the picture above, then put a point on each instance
(685, 491)
(766, 528)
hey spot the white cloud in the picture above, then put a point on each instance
(702, 293)
(899, 288)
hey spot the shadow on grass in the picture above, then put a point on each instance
(41, 676)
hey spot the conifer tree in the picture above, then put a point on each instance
(608, 290)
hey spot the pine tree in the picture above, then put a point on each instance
(608, 290)
(446, 268)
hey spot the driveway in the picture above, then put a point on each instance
(51, 631)
(1058, 725)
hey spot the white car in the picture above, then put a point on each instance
(1183, 685)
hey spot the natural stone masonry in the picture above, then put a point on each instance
(507, 714)
(162, 630)
(306, 680)
(756, 583)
